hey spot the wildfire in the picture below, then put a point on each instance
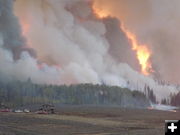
(100, 13)
(142, 51)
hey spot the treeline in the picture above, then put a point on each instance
(150, 94)
(26, 93)
(173, 99)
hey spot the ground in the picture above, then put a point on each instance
(87, 121)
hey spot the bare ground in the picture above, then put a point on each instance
(87, 121)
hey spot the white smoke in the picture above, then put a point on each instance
(72, 46)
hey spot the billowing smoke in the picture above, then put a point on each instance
(70, 45)
(16, 59)
(155, 23)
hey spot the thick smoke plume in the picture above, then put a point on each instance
(16, 59)
(70, 45)
(155, 23)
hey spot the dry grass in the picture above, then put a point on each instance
(87, 121)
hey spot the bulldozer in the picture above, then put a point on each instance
(46, 109)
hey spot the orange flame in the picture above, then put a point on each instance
(100, 13)
(142, 51)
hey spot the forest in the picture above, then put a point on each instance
(18, 93)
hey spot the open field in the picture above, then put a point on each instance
(87, 121)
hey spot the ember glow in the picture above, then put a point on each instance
(143, 53)
(25, 27)
(100, 13)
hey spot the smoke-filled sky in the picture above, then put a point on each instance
(155, 23)
(64, 42)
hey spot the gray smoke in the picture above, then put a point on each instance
(155, 23)
(71, 44)
(120, 48)
(10, 30)
(15, 57)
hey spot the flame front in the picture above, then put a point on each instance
(143, 53)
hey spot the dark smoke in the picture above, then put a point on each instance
(79, 47)
(10, 30)
(118, 42)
